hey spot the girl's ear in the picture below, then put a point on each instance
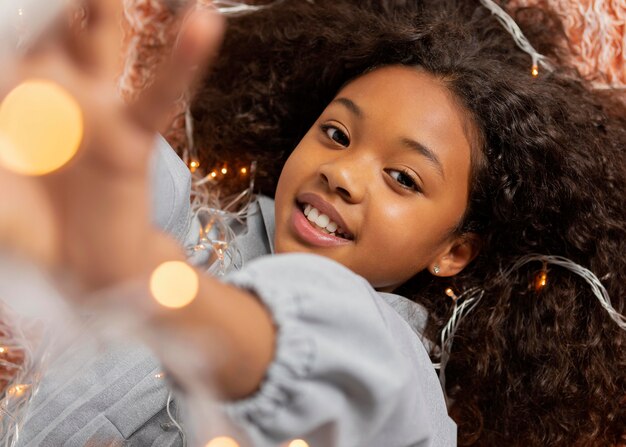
(457, 255)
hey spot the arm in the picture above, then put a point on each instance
(222, 313)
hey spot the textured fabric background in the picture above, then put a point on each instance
(596, 30)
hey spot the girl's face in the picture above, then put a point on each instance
(385, 170)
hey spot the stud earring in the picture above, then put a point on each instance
(436, 269)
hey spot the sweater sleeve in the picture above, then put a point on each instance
(170, 191)
(340, 376)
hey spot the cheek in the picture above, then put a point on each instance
(402, 240)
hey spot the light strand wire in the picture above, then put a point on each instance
(513, 28)
(471, 298)
(590, 278)
(463, 305)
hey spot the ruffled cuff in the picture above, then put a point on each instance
(294, 352)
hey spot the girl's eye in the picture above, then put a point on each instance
(336, 135)
(405, 178)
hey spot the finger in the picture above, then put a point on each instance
(198, 43)
(27, 224)
(94, 39)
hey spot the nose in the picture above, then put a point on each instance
(345, 177)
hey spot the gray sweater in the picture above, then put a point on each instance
(350, 367)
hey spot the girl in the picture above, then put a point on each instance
(527, 367)
(434, 161)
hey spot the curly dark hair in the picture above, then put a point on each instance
(528, 367)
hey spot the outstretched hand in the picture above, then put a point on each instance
(92, 216)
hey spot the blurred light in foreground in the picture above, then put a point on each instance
(41, 128)
(223, 441)
(17, 390)
(298, 443)
(174, 284)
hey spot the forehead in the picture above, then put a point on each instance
(410, 97)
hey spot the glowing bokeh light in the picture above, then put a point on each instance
(244, 171)
(17, 390)
(41, 128)
(224, 171)
(298, 443)
(222, 441)
(174, 284)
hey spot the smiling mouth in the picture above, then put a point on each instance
(323, 223)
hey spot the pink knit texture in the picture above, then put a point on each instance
(596, 30)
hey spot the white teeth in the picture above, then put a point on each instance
(322, 221)
(313, 215)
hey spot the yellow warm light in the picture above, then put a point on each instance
(298, 443)
(223, 441)
(244, 171)
(41, 128)
(3, 350)
(213, 174)
(17, 390)
(541, 280)
(174, 284)
(224, 171)
(535, 71)
(194, 165)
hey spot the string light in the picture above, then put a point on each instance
(41, 126)
(17, 390)
(213, 174)
(194, 165)
(174, 284)
(3, 350)
(541, 279)
(535, 70)
(451, 294)
(224, 171)
(223, 441)
(244, 171)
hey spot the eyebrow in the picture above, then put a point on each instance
(351, 106)
(412, 144)
(426, 152)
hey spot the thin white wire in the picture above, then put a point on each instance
(229, 7)
(11, 405)
(468, 301)
(596, 285)
(174, 421)
(509, 24)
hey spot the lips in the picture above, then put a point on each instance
(324, 215)
(312, 233)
